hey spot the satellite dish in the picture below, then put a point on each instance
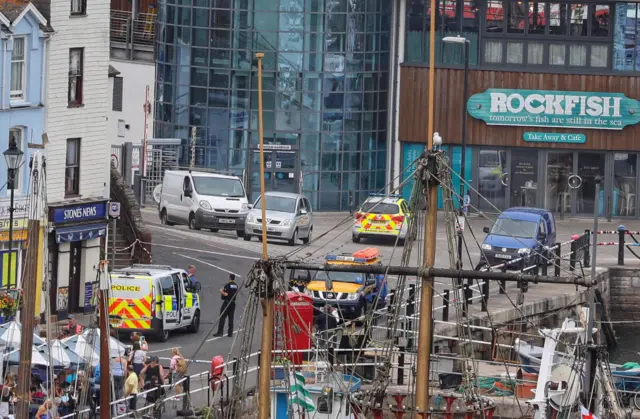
(565, 374)
(157, 191)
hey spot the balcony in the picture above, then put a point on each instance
(132, 38)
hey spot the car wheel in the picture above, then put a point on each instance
(294, 238)
(192, 222)
(355, 239)
(214, 230)
(164, 219)
(163, 336)
(247, 237)
(240, 233)
(195, 324)
(308, 239)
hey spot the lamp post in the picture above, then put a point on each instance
(463, 129)
(13, 157)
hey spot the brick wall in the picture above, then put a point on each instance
(624, 293)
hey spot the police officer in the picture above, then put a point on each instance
(228, 305)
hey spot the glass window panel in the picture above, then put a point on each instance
(291, 41)
(331, 161)
(200, 56)
(599, 55)
(218, 98)
(493, 51)
(336, 23)
(556, 54)
(293, 22)
(315, 22)
(200, 37)
(200, 18)
(495, 16)
(578, 19)
(220, 39)
(578, 55)
(600, 22)
(447, 15)
(625, 166)
(557, 19)
(624, 43)
(220, 19)
(199, 76)
(515, 52)
(516, 13)
(218, 79)
(266, 5)
(537, 22)
(535, 53)
(184, 16)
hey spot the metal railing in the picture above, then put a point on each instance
(139, 31)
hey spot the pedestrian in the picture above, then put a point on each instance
(44, 411)
(73, 326)
(137, 358)
(118, 371)
(177, 364)
(192, 275)
(154, 369)
(36, 326)
(228, 305)
(131, 387)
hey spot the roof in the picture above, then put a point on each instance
(12, 12)
(112, 70)
(196, 173)
(384, 199)
(523, 213)
(283, 194)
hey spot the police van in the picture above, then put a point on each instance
(153, 299)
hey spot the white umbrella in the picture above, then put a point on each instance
(11, 335)
(83, 348)
(116, 348)
(57, 347)
(56, 353)
(37, 358)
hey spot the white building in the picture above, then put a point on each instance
(77, 150)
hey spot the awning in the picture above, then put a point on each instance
(80, 233)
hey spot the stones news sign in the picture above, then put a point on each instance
(556, 109)
(83, 212)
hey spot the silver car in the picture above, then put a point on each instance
(289, 217)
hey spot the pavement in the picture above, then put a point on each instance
(217, 254)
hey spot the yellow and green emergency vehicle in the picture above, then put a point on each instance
(153, 299)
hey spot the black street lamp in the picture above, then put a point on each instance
(463, 130)
(13, 156)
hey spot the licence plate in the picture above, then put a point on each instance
(379, 222)
(227, 221)
(500, 256)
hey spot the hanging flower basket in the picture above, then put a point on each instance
(9, 306)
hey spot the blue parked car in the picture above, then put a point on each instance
(518, 232)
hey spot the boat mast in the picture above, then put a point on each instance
(29, 283)
(426, 292)
(264, 386)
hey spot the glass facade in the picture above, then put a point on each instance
(325, 84)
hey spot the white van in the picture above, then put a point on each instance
(203, 200)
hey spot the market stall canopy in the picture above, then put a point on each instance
(11, 335)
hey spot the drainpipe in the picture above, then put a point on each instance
(5, 40)
(43, 77)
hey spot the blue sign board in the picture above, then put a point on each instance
(80, 233)
(82, 212)
(554, 137)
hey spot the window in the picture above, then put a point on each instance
(78, 7)
(18, 69)
(75, 76)
(17, 134)
(117, 94)
(574, 36)
(72, 168)
(166, 283)
(626, 48)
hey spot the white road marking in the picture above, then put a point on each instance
(209, 264)
(220, 337)
(172, 232)
(206, 251)
(163, 350)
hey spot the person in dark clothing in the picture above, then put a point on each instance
(228, 305)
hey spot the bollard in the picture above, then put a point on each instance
(445, 310)
(235, 367)
(574, 252)
(556, 259)
(401, 349)
(621, 233)
(586, 245)
(524, 284)
(485, 295)
(545, 260)
(186, 388)
(411, 309)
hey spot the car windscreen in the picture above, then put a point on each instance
(215, 186)
(351, 277)
(505, 226)
(379, 208)
(278, 203)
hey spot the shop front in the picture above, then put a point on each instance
(75, 251)
(538, 140)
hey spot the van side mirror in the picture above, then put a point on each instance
(303, 211)
(542, 235)
(486, 230)
(198, 287)
(250, 206)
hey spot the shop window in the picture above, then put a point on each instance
(577, 55)
(625, 167)
(626, 42)
(72, 168)
(535, 53)
(515, 52)
(556, 54)
(493, 52)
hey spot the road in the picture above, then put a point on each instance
(217, 254)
